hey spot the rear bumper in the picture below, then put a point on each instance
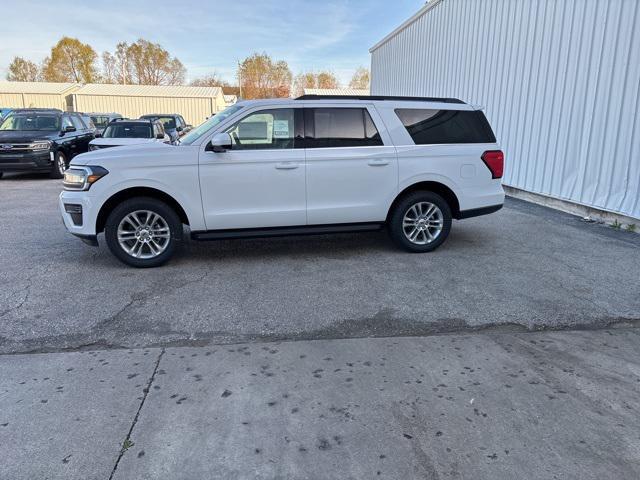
(476, 212)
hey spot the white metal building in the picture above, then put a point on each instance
(559, 81)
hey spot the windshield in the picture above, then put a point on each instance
(31, 122)
(128, 130)
(203, 128)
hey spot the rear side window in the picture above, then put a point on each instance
(340, 127)
(428, 127)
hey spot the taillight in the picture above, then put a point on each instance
(494, 160)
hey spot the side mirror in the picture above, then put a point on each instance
(160, 136)
(221, 142)
(98, 135)
(69, 128)
(178, 128)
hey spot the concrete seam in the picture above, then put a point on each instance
(127, 439)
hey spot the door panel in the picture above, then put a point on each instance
(254, 185)
(350, 185)
(351, 175)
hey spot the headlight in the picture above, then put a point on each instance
(43, 145)
(81, 178)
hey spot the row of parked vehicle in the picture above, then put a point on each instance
(46, 140)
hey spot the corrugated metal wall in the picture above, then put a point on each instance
(194, 110)
(32, 100)
(559, 80)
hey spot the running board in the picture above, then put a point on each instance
(285, 231)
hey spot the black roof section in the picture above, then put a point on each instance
(379, 97)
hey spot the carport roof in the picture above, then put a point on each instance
(178, 91)
(37, 87)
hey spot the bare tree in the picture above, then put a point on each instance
(360, 79)
(21, 70)
(117, 67)
(211, 80)
(323, 79)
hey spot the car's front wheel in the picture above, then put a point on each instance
(59, 165)
(143, 232)
(420, 222)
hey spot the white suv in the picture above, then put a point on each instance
(314, 164)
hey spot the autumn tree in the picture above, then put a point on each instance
(323, 79)
(153, 65)
(21, 70)
(70, 61)
(260, 76)
(360, 79)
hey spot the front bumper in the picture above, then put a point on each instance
(28, 161)
(79, 214)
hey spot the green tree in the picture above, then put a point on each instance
(21, 70)
(360, 79)
(259, 76)
(70, 61)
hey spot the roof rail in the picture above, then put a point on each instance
(378, 97)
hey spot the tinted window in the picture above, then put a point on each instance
(88, 122)
(169, 123)
(77, 122)
(66, 122)
(265, 129)
(99, 121)
(340, 127)
(428, 127)
(127, 130)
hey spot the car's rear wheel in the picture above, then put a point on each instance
(143, 232)
(420, 222)
(58, 166)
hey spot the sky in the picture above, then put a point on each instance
(210, 36)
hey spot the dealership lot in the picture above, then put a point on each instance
(525, 267)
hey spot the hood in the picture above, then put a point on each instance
(26, 136)
(121, 153)
(115, 142)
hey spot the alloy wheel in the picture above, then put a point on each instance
(143, 234)
(422, 223)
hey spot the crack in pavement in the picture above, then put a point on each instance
(126, 443)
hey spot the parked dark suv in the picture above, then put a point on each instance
(42, 140)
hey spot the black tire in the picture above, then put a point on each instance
(59, 160)
(137, 204)
(402, 208)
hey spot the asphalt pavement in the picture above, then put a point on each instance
(523, 268)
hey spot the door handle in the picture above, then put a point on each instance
(378, 163)
(286, 165)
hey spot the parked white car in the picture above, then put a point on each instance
(296, 166)
(122, 132)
